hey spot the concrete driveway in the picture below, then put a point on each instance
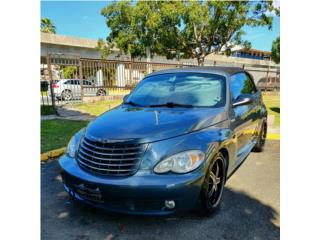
(250, 209)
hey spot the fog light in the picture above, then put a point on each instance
(169, 204)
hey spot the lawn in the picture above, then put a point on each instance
(96, 108)
(273, 105)
(57, 133)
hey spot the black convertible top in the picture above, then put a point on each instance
(215, 69)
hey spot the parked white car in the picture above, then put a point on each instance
(68, 89)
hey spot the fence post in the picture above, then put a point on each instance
(130, 72)
(81, 79)
(51, 82)
(267, 79)
(149, 66)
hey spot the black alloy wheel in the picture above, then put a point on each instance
(213, 186)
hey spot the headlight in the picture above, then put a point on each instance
(74, 144)
(181, 163)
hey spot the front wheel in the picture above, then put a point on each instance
(66, 95)
(101, 92)
(213, 186)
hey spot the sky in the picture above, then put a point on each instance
(83, 19)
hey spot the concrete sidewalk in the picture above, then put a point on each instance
(74, 118)
(69, 114)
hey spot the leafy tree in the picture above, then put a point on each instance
(275, 51)
(134, 28)
(103, 48)
(189, 28)
(47, 26)
(69, 72)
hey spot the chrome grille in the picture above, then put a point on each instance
(114, 159)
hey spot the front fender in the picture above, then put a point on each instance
(209, 140)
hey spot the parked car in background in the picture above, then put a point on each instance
(68, 89)
(273, 84)
(172, 144)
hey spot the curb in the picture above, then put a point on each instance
(52, 154)
(273, 136)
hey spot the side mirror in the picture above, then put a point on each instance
(125, 97)
(243, 100)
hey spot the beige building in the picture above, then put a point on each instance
(86, 48)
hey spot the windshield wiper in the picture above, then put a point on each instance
(133, 104)
(172, 105)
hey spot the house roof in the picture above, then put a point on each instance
(252, 50)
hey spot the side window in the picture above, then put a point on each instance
(252, 84)
(241, 83)
(67, 82)
(87, 83)
(76, 82)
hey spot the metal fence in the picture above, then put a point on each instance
(70, 79)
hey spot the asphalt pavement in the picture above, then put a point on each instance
(250, 209)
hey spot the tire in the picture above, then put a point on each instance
(212, 188)
(101, 92)
(261, 139)
(66, 95)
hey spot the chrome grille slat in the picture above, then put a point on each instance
(112, 159)
(107, 170)
(109, 159)
(105, 148)
(108, 164)
(111, 154)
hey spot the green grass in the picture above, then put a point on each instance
(97, 108)
(273, 105)
(57, 133)
(47, 110)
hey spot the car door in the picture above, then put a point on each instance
(243, 118)
(77, 88)
(88, 88)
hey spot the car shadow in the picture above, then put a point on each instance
(240, 216)
(275, 109)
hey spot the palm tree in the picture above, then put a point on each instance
(47, 26)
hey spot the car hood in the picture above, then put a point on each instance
(151, 124)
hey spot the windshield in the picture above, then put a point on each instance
(180, 89)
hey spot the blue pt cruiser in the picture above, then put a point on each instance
(171, 145)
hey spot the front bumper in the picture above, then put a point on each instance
(143, 193)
